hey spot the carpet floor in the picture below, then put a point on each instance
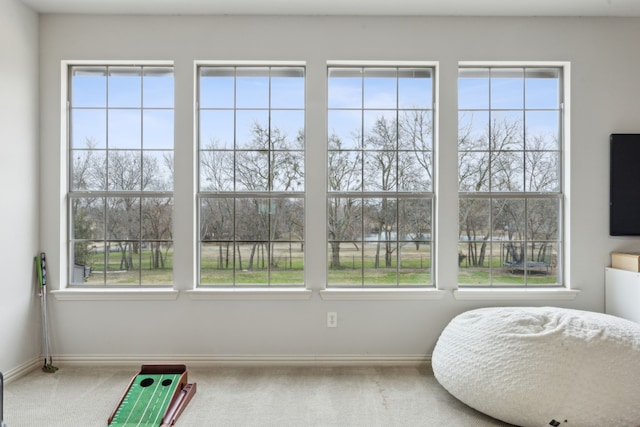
(80, 396)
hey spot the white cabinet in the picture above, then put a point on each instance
(622, 293)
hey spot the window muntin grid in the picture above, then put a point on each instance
(251, 175)
(380, 176)
(120, 121)
(510, 176)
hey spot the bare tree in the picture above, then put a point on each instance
(343, 212)
(271, 162)
(487, 162)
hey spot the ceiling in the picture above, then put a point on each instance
(343, 7)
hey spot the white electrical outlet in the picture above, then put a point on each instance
(332, 319)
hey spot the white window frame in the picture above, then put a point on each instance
(386, 288)
(70, 290)
(234, 289)
(559, 291)
(315, 107)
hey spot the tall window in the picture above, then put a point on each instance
(251, 175)
(510, 180)
(120, 174)
(380, 176)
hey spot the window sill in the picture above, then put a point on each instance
(532, 294)
(250, 294)
(381, 294)
(116, 294)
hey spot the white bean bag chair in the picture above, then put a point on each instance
(541, 366)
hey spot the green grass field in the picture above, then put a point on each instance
(289, 270)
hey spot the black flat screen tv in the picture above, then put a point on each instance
(624, 185)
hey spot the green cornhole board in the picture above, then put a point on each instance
(155, 397)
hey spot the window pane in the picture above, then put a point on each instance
(473, 170)
(252, 219)
(344, 219)
(474, 262)
(345, 88)
(415, 263)
(475, 219)
(217, 87)
(217, 262)
(380, 88)
(380, 243)
(414, 225)
(157, 129)
(507, 171)
(125, 129)
(125, 171)
(288, 264)
(345, 264)
(540, 264)
(88, 170)
(345, 129)
(156, 262)
(507, 130)
(287, 225)
(508, 219)
(507, 88)
(345, 171)
(473, 88)
(125, 87)
(380, 216)
(88, 128)
(157, 87)
(381, 130)
(414, 221)
(252, 171)
(542, 88)
(287, 87)
(414, 169)
(287, 173)
(543, 219)
(157, 221)
(380, 171)
(87, 218)
(123, 218)
(415, 130)
(543, 130)
(89, 86)
(252, 263)
(216, 219)
(287, 129)
(252, 129)
(380, 263)
(157, 171)
(473, 130)
(415, 88)
(252, 87)
(216, 129)
(542, 171)
(123, 263)
(216, 170)
(87, 263)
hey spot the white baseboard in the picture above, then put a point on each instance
(243, 360)
(22, 370)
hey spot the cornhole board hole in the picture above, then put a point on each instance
(155, 397)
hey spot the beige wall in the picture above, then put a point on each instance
(19, 307)
(605, 98)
